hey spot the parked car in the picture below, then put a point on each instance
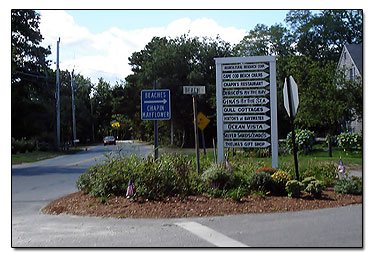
(109, 140)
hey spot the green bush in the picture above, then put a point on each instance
(260, 181)
(315, 188)
(216, 176)
(294, 188)
(237, 193)
(351, 185)
(307, 181)
(23, 145)
(280, 178)
(154, 179)
(326, 173)
(304, 141)
(349, 140)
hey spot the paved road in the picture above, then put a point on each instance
(35, 185)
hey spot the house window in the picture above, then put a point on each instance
(352, 74)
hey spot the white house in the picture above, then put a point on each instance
(351, 62)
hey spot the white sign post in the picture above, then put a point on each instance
(246, 104)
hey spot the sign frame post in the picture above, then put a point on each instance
(240, 64)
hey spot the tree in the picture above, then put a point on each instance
(103, 107)
(175, 63)
(263, 40)
(322, 36)
(32, 96)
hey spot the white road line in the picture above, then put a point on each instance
(210, 235)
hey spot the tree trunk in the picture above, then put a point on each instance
(329, 137)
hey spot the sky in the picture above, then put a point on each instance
(98, 43)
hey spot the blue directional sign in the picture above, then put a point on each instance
(155, 105)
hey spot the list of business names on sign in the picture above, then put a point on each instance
(246, 103)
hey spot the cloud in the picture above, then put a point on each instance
(106, 54)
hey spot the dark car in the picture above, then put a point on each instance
(109, 140)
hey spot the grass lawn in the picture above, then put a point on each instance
(34, 156)
(352, 160)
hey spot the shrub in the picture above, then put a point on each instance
(236, 193)
(216, 176)
(153, 179)
(280, 179)
(315, 188)
(307, 181)
(260, 181)
(351, 185)
(349, 140)
(304, 141)
(23, 145)
(325, 173)
(294, 188)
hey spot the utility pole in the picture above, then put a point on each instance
(92, 121)
(58, 98)
(73, 111)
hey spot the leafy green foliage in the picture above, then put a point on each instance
(294, 188)
(315, 188)
(349, 140)
(351, 185)
(260, 181)
(326, 173)
(21, 146)
(307, 181)
(280, 178)
(304, 141)
(216, 176)
(153, 179)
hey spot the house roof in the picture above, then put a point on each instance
(355, 51)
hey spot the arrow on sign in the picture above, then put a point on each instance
(246, 144)
(164, 101)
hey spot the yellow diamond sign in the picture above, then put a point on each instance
(202, 121)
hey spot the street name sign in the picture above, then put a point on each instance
(245, 126)
(245, 118)
(245, 109)
(193, 90)
(245, 101)
(248, 92)
(245, 84)
(245, 67)
(245, 75)
(245, 135)
(246, 144)
(155, 105)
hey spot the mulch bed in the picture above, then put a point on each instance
(82, 204)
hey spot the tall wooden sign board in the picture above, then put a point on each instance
(246, 104)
